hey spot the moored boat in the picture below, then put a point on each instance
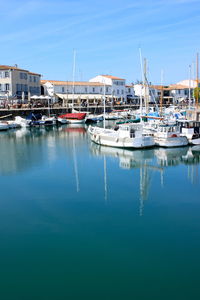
(123, 136)
(74, 118)
(22, 122)
(166, 135)
(190, 129)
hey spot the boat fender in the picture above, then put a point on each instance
(173, 135)
(116, 140)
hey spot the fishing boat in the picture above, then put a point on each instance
(122, 136)
(166, 135)
(190, 129)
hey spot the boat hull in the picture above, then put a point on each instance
(4, 127)
(171, 141)
(112, 140)
(74, 121)
(194, 141)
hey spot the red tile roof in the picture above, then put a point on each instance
(6, 67)
(112, 77)
(84, 83)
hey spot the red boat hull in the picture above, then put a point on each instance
(73, 116)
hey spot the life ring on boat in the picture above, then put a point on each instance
(173, 135)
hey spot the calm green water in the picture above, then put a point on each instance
(79, 221)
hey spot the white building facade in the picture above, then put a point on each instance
(75, 92)
(117, 86)
(92, 91)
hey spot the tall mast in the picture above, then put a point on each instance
(74, 66)
(189, 96)
(197, 98)
(142, 73)
(145, 85)
(104, 105)
(161, 95)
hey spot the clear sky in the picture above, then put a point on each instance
(40, 36)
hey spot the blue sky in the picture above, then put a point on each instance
(41, 35)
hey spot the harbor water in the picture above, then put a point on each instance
(82, 221)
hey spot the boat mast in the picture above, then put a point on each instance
(142, 73)
(145, 85)
(104, 105)
(197, 98)
(74, 66)
(161, 95)
(189, 106)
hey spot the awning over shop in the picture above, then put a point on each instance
(78, 96)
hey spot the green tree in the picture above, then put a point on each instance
(196, 93)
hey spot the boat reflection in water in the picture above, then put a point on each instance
(25, 148)
(149, 161)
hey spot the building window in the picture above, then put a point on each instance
(106, 89)
(34, 78)
(7, 74)
(7, 86)
(101, 90)
(122, 92)
(129, 90)
(85, 90)
(63, 89)
(30, 78)
(0, 86)
(23, 76)
(117, 92)
(93, 90)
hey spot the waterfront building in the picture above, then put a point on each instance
(116, 89)
(17, 83)
(72, 93)
(88, 92)
(171, 94)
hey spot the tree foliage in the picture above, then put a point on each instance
(197, 93)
